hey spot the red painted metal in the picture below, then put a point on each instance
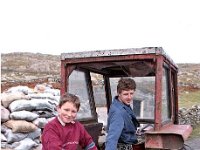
(168, 137)
(106, 58)
(139, 146)
(63, 78)
(158, 93)
(176, 98)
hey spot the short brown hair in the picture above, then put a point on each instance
(126, 84)
(67, 97)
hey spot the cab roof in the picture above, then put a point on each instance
(117, 52)
(112, 61)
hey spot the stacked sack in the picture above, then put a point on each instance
(24, 113)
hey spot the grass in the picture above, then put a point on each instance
(195, 132)
(187, 100)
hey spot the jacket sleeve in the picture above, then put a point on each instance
(114, 131)
(50, 140)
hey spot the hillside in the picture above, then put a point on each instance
(32, 68)
(189, 76)
(28, 69)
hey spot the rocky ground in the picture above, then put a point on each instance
(193, 144)
(29, 69)
(32, 68)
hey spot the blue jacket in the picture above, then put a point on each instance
(122, 125)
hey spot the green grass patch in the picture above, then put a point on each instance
(195, 132)
(188, 99)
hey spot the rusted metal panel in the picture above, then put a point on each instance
(176, 98)
(63, 78)
(114, 52)
(164, 141)
(108, 59)
(139, 146)
(117, 52)
(158, 93)
(65, 73)
(167, 135)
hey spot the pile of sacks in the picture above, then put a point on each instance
(24, 113)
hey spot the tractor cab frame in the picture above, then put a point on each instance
(93, 76)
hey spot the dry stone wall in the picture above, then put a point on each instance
(190, 116)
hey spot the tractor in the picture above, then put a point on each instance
(93, 76)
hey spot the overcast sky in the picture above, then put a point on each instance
(54, 27)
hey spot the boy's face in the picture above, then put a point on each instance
(126, 96)
(67, 112)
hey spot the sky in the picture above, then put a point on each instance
(60, 26)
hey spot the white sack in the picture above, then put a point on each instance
(45, 113)
(14, 137)
(26, 144)
(23, 115)
(3, 138)
(7, 98)
(34, 104)
(23, 89)
(40, 122)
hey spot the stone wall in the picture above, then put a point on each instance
(190, 116)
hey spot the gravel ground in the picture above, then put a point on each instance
(193, 144)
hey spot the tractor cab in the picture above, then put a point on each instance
(93, 76)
